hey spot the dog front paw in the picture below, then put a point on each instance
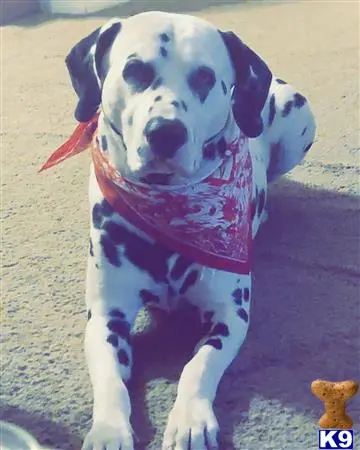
(191, 425)
(109, 437)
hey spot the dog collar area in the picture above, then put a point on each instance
(220, 133)
(207, 221)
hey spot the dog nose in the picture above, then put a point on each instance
(165, 136)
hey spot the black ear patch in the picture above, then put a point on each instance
(104, 42)
(252, 83)
(80, 66)
(83, 62)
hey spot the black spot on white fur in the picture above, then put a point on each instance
(116, 313)
(243, 314)
(280, 81)
(308, 147)
(152, 258)
(91, 247)
(138, 74)
(163, 52)
(123, 357)
(120, 327)
(110, 250)
(100, 212)
(180, 267)
(183, 104)
(190, 280)
(238, 295)
(287, 108)
(299, 100)
(272, 110)
(201, 81)
(224, 88)
(246, 294)
(97, 216)
(149, 297)
(164, 37)
(220, 329)
(113, 340)
(214, 342)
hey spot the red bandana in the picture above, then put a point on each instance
(207, 221)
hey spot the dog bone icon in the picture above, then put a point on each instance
(335, 395)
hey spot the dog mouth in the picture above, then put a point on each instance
(155, 178)
(162, 179)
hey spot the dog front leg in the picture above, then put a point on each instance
(192, 424)
(108, 360)
(111, 314)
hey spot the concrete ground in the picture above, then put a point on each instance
(306, 305)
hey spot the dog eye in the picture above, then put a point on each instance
(201, 81)
(203, 76)
(138, 74)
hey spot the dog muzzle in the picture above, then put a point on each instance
(208, 221)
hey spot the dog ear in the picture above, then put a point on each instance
(84, 63)
(252, 83)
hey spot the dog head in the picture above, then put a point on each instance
(166, 84)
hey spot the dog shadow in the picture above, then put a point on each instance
(45, 431)
(304, 321)
(160, 352)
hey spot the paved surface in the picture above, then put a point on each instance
(306, 306)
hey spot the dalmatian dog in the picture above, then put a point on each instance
(164, 85)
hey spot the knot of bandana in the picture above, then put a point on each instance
(208, 222)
